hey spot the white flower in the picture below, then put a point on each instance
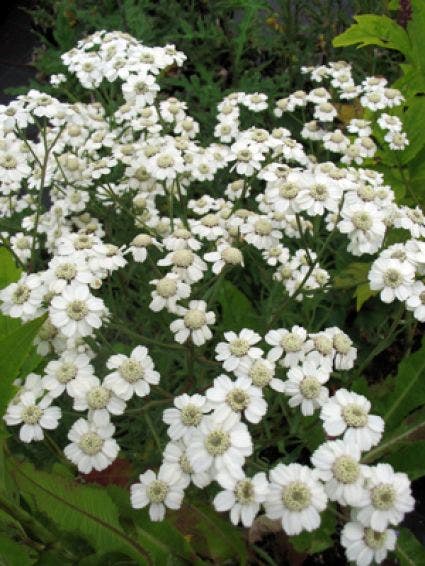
(187, 265)
(90, 394)
(194, 323)
(187, 415)
(241, 496)
(363, 222)
(387, 500)
(241, 396)
(159, 492)
(295, 497)
(76, 312)
(289, 344)
(133, 375)
(325, 112)
(33, 415)
(138, 247)
(23, 298)
(363, 545)
(215, 445)
(261, 372)
(225, 255)
(62, 372)
(255, 102)
(168, 291)
(237, 348)
(92, 445)
(348, 413)
(338, 464)
(175, 461)
(345, 352)
(416, 301)
(394, 278)
(304, 385)
(260, 232)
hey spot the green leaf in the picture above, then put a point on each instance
(354, 274)
(318, 540)
(237, 311)
(363, 293)
(15, 349)
(371, 29)
(212, 534)
(9, 272)
(410, 551)
(409, 459)
(15, 554)
(75, 508)
(414, 126)
(409, 389)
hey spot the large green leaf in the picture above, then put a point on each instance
(9, 272)
(15, 349)
(76, 508)
(237, 311)
(409, 459)
(371, 29)
(408, 392)
(15, 554)
(414, 126)
(410, 551)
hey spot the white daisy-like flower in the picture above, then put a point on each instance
(347, 412)
(175, 461)
(388, 498)
(168, 291)
(59, 374)
(92, 446)
(363, 223)
(186, 416)
(216, 445)
(242, 496)
(364, 546)
(416, 301)
(32, 415)
(287, 344)
(338, 465)
(345, 354)
(158, 491)
(139, 247)
(240, 396)
(304, 385)
(295, 497)
(237, 348)
(260, 232)
(23, 299)
(194, 323)
(91, 394)
(325, 112)
(226, 255)
(392, 277)
(133, 375)
(76, 312)
(187, 265)
(63, 270)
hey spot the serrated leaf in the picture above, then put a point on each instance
(318, 540)
(75, 508)
(409, 389)
(9, 272)
(13, 553)
(15, 349)
(409, 459)
(410, 551)
(371, 29)
(354, 274)
(237, 311)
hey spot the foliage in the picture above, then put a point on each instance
(406, 171)
(230, 44)
(89, 202)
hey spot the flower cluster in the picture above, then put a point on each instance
(142, 158)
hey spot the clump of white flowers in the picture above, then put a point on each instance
(150, 144)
